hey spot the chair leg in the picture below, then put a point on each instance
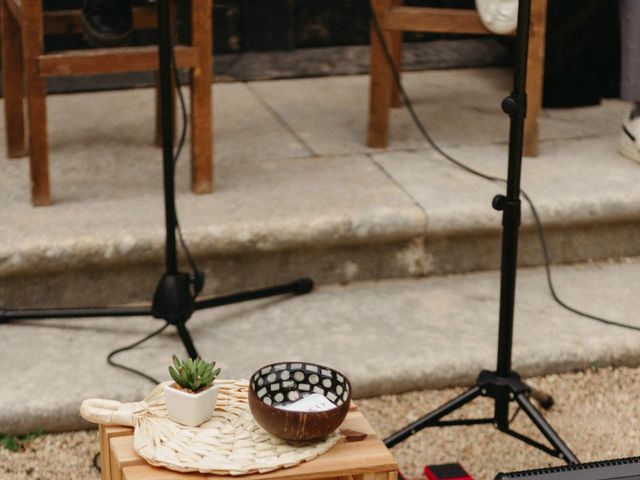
(32, 43)
(12, 82)
(38, 142)
(396, 53)
(201, 99)
(380, 82)
(535, 76)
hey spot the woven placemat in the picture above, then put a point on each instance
(230, 443)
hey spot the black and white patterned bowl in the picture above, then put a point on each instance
(285, 382)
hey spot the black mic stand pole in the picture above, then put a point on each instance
(504, 385)
(174, 298)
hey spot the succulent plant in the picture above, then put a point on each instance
(192, 374)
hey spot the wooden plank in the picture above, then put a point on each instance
(62, 22)
(35, 90)
(426, 19)
(345, 459)
(14, 7)
(12, 81)
(380, 82)
(202, 163)
(396, 54)
(106, 434)
(374, 476)
(114, 468)
(535, 76)
(117, 431)
(105, 454)
(123, 455)
(111, 60)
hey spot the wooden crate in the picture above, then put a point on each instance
(367, 459)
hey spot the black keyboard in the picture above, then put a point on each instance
(624, 468)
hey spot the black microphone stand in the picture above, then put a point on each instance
(504, 385)
(174, 297)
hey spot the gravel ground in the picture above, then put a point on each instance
(596, 412)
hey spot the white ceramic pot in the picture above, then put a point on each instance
(188, 408)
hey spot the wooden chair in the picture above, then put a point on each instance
(26, 67)
(395, 18)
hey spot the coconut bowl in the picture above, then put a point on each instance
(281, 384)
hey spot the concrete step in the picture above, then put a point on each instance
(299, 194)
(387, 337)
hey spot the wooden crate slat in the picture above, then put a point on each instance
(111, 60)
(357, 458)
(436, 20)
(60, 22)
(14, 7)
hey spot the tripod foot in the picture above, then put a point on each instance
(545, 400)
(302, 286)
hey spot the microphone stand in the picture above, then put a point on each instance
(174, 297)
(504, 385)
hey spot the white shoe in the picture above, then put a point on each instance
(629, 144)
(499, 16)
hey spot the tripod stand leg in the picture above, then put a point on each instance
(546, 429)
(186, 339)
(431, 418)
(298, 287)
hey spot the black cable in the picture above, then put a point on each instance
(547, 262)
(95, 463)
(131, 347)
(420, 126)
(183, 108)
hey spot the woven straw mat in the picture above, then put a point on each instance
(230, 443)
